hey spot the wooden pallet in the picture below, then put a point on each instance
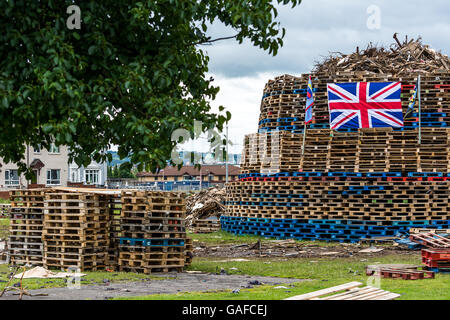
(205, 226)
(351, 291)
(430, 240)
(396, 272)
(427, 230)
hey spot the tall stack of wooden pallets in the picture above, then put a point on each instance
(350, 183)
(153, 232)
(26, 226)
(115, 208)
(76, 230)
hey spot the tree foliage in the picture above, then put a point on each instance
(131, 75)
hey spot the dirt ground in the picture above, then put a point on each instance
(181, 282)
(295, 249)
(189, 282)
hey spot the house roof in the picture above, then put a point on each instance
(217, 170)
(36, 164)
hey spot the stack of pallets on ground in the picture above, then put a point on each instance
(153, 232)
(76, 230)
(5, 209)
(26, 226)
(189, 252)
(436, 255)
(205, 226)
(399, 271)
(115, 207)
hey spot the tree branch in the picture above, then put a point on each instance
(214, 40)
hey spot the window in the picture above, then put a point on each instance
(92, 176)
(37, 149)
(54, 176)
(11, 177)
(74, 175)
(53, 148)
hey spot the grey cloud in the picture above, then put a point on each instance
(317, 27)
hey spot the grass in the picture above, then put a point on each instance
(323, 273)
(91, 278)
(4, 228)
(222, 237)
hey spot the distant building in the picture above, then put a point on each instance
(211, 174)
(94, 174)
(208, 158)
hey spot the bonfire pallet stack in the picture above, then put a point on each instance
(283, 95)
(351, 184)
(26, 226)
(153, 232)
(76, 230)
(368, 150)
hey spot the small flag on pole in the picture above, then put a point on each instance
(309, 102)
(308, 111)
(412, 101)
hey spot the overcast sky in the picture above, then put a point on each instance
(313, 29)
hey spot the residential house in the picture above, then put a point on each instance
(50, 168)
(94, 174)
(213, 174)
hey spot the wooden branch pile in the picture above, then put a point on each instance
(400, 58)
(205, 204)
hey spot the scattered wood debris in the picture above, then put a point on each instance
(400, 58)
(204, 204)
(351, 292)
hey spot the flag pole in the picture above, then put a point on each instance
(304, 138)
(420, 113)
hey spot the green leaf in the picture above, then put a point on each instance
(47, 128)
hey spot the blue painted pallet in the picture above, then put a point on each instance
(425, 174)
(439, 270)
(344, 174)
(439, 124)
(152, 242)
(429, 114)
(345, 231)
(383, 174)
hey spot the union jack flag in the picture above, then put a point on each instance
(365, 105)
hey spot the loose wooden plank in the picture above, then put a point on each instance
(308, 296)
